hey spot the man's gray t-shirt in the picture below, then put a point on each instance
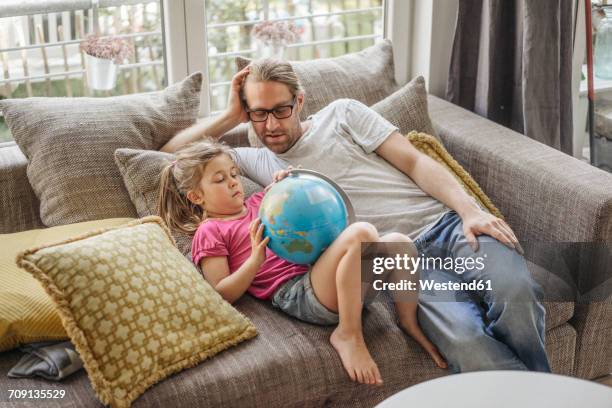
(340, 144)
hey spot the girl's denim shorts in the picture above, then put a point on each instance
(297, 298)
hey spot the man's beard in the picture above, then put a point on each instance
(286, 138)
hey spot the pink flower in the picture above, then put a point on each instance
(275, 32)
(111, 48)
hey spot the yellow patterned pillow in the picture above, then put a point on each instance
(134, 307)
(27, 313)
(434, 149)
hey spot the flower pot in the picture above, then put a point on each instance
(266, 50)
(101, 73)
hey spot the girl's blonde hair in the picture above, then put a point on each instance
(180, 177)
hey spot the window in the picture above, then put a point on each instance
(325, 28)
(40, 56)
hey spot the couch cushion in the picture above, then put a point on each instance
(561, 349)
(407, 109)
(27, 314)
(70, 142)
(291, 363)
(140, 170)
(558, 293)
(134, 308)
(367, 76)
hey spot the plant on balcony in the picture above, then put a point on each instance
(104, 55)
(272, 37)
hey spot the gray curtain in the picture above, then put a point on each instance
(512, 61)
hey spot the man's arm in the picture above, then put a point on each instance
(213, 127)
(217, 126)
(436, 181)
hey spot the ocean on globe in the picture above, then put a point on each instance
(302, 214)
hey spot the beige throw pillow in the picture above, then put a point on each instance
(134, 307)
(407, 108)
(70, 143)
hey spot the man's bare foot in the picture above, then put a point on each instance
(412, 328)
(356, 358)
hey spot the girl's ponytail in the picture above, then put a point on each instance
(173, 207)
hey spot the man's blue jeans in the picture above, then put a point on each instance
(497, 329)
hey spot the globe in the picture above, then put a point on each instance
(303, 214)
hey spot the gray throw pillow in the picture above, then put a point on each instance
(141, 169)
(366, 76)
(407, 108)
(70, 142)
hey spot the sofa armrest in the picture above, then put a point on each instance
(544, 194)
(18, 203)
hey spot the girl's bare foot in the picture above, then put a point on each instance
(355, 357)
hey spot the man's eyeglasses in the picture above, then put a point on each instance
(280, 112)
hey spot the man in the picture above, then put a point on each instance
(398, 189)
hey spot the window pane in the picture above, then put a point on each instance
(325, 28)
(57, 68)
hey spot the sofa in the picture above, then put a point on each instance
(545, 195)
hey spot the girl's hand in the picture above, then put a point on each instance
(258, 245)
(279, 175)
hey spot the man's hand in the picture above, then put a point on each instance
(216, 126)
(235, 109)
(279, 175)
(481, 222)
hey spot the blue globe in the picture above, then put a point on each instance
(302, 214)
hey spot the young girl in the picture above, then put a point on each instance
(201, 191)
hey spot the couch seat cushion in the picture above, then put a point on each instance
(290, 363)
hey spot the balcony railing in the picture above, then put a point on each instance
(39, 44)
(332, 28)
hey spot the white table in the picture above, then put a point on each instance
(503, 389)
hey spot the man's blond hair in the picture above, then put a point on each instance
(270, 69)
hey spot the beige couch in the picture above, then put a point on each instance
(545, 195)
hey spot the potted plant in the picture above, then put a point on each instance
(271, 37)
(103, 57)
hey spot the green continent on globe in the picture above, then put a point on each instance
(299, 245)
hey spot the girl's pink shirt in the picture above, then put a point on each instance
(231, 239)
